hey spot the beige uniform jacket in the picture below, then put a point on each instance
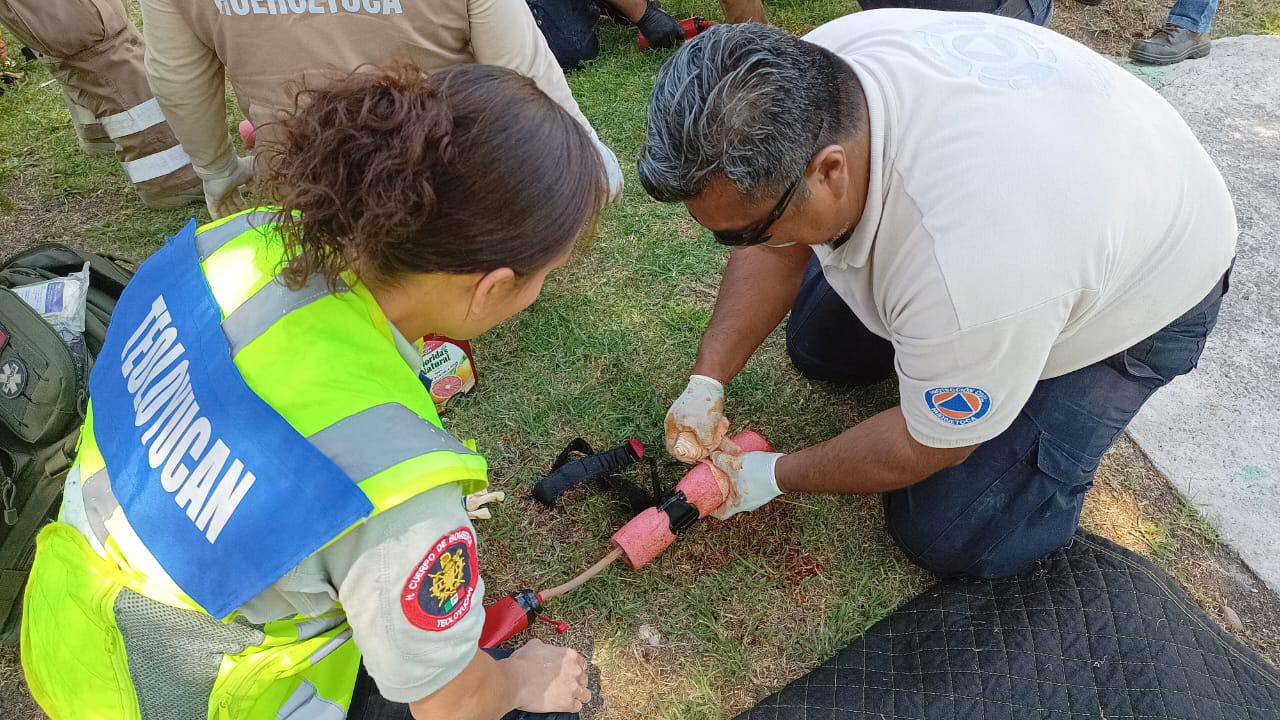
(268, 48)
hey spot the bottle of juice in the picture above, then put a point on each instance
(447, 368)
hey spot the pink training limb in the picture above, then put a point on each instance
(704, 487)
(645, 537)
(708, 488)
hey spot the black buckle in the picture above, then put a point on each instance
(681, 513)
(528, 602)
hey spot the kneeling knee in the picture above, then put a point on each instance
(973, 562)
(972, 557)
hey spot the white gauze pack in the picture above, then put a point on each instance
(60, 301)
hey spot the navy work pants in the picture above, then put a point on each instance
(1194, 15)
(1018, 497)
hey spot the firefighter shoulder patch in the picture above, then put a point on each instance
(439, 591)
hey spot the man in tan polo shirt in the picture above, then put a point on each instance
(947, 200)
(268, 49)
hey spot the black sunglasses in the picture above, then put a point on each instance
(758, 232)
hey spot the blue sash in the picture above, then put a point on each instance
(224, 493)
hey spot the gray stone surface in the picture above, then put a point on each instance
(1216, 432)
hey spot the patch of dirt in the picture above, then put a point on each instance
(15, 701)
(30, 220)
(715, 545)
(1110, 28)
(1133, 505)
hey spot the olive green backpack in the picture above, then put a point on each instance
(43, 394)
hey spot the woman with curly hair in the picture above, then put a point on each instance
(266, 517)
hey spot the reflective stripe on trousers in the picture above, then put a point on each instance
(127, 122)
(155, 165)
(133, 120)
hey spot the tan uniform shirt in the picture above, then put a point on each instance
(1032, 209)
(269, 48)
(367, 572)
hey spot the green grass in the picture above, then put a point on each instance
(1182, 522)
(601, 355)
(37, 140)
(743, 606)
(1187, 518)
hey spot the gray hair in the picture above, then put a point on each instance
(749, 102)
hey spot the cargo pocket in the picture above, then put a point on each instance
(1154, 369)
(1065, 464)
(1174, 350)
(1060, 513)
(1043, 511)
(72, 653)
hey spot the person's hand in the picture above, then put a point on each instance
(751, 480)
(475, 504)
(222, 187)
(659, 28)
(552, 679)
(696, 424)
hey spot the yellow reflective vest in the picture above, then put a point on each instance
(108, 634)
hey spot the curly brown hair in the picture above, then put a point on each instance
(462, 170)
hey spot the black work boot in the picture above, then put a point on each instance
(1170, 44)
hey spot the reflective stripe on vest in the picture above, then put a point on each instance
(377, 425)
(386, 448)
(265, 308)
(210, 240)
(306, 704)
(362, 446)
(99, 503)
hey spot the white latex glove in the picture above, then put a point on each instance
(222, 186)
(753, 481)
(475, 504)
(696, 424)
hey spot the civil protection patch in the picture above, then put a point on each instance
(958, 405)
(439, 591)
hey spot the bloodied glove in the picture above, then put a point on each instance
(696, 423)
(754, 483)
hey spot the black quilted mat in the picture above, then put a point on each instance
(1094, 632)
